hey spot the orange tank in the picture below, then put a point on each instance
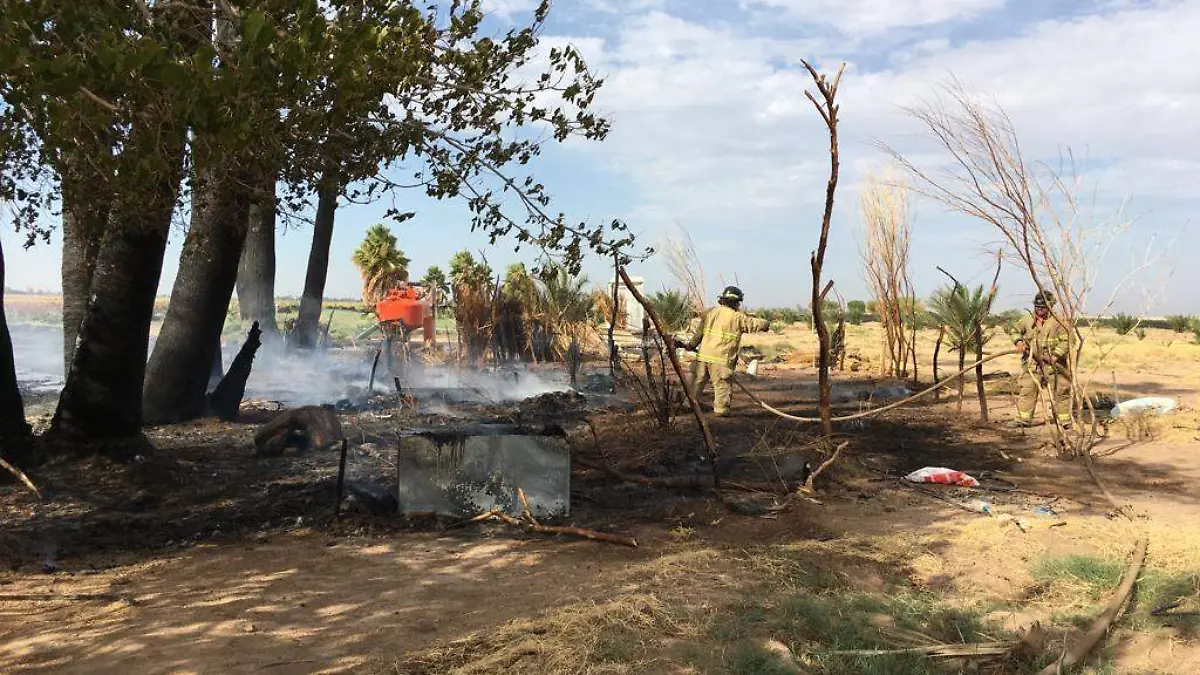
(405, 305)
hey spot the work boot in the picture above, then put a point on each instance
(1018, 424)
(720, 413)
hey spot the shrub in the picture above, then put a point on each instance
(1180, 323)
(1196, 331)
(1007, 319)
(856, 311)
(673, 308)
(1124, 323)
(1141, 333)
(788, 315)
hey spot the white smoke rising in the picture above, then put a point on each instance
(314, 377)
(297, 378)
(37, 351)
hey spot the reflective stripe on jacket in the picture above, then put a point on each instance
(719, 336)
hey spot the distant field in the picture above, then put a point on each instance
(350, 317)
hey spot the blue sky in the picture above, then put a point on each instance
(711, 133)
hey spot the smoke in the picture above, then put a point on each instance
(37, 350)
(297, 378)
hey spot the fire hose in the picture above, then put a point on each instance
(868, 413)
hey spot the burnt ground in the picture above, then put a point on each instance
(205, 535)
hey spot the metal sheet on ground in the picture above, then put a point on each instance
(465, 471)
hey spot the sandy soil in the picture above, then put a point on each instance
(205, 559)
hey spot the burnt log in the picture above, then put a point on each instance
(310, 427)
(226, 398)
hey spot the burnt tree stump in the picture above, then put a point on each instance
(226, 398)
(312, 427)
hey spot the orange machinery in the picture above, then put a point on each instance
(404, 310)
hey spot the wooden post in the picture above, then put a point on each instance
(374, 365)
(709, 443)
(341, 483)
(612, 324)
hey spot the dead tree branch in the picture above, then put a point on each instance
(1102, 623)
(20, 475)
(812, 477)
(827, 107)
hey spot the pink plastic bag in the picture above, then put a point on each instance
(934, 474)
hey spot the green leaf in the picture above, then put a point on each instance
(253, 26)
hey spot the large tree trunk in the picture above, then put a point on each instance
(308, 324)
(256, 270)
(83, 221)
(14, 430)
(180, 368)
(102, 397)
(226, 398)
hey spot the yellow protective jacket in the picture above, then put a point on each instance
(1050, 340)
(719, 336)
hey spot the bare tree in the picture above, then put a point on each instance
(1036, 211)
(884, 252)
(683, 262)
(827, 107)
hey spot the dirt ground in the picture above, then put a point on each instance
(203, 558)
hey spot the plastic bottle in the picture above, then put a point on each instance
(981, 506)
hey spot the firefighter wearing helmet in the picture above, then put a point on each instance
(716, 342)
(1044, 342)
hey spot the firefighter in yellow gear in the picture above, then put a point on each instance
(716, 342)
(1044, 342)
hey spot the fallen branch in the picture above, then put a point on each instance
(477, 519)
(808, 483)
(1102, 623)
(869, 413)
(563, 529)
(21, 477)
(528, 512)
(954, 651)
(550, 529)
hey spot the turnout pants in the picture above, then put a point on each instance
(721, 376)
(1031, 384)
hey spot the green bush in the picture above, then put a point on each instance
(673, 308)
(1007, 319)
(856, 312)
(1124, 323)
(1196, 331)
(1141, 333)
(1181, 323)
(785, 315)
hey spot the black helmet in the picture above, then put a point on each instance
(732, 294)
(1043, 299)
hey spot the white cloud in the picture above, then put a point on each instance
(507, 8)
(871, 17)
(712, 126)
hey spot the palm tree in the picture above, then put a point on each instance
(962, 313)
(471, 283)
(436, 286)
(563, 305)
(382, 265)
(674, 308)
